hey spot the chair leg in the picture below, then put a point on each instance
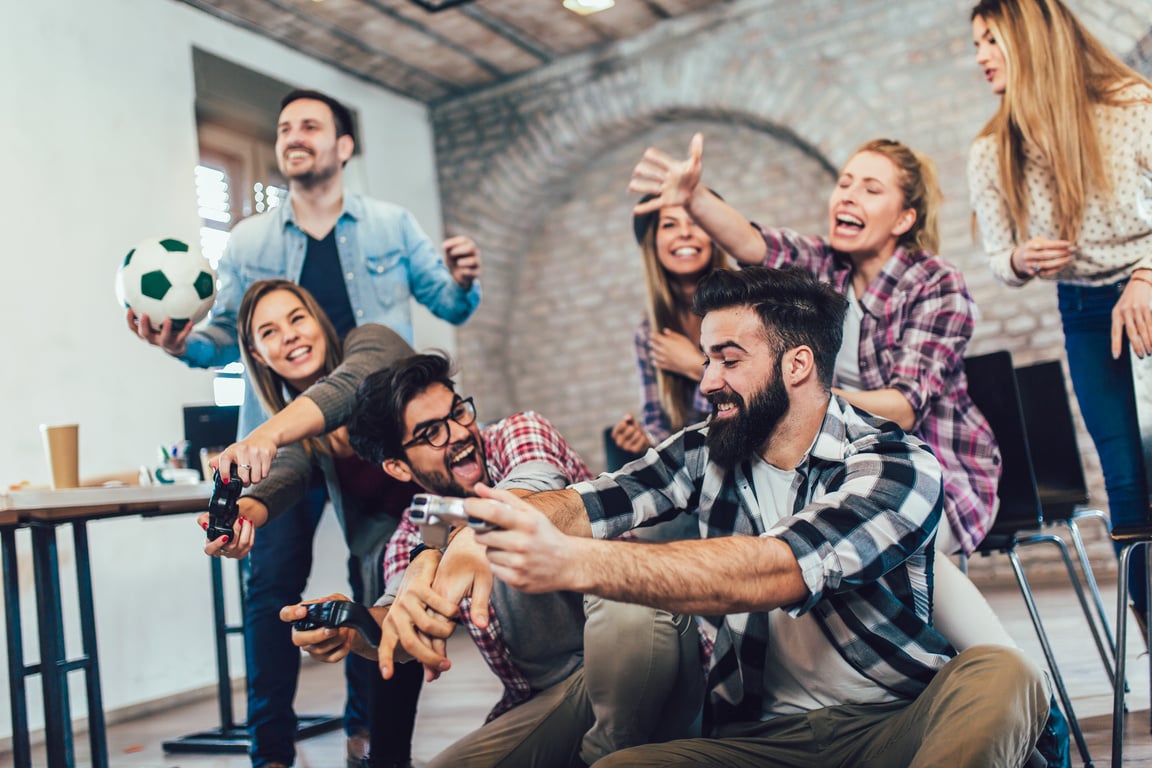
(1106, 657)
(1121, 655)
(1086, 567)
(1057, 678)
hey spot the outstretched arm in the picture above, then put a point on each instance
(726, 575)
(677, 183)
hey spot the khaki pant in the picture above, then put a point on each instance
(985, 709)
(642, 681)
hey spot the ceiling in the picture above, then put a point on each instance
(436, 55)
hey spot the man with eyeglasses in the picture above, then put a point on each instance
(582, 677)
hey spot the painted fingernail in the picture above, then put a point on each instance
(204, 526)
(226, 539)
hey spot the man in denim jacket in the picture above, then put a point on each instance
(363, 260)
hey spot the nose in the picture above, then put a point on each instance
(456, 433)
(712, 380)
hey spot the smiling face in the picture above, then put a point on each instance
(287, 338)
(307, 148)
(866, 212)
(990, 56)
(451, 470)
(743, 382)
(683, 249)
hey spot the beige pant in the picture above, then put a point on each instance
(642, 681)
(984, 709)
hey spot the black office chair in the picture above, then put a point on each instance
(993, 388)
(1056, 461)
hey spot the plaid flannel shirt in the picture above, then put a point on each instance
(520, 439)
(866, 500)
(656, 421)
(918, 318)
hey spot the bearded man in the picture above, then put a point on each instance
(814, 564)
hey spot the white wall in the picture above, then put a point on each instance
(99, 144)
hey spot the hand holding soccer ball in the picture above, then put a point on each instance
(161, 281)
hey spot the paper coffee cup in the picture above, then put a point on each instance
(62, 450)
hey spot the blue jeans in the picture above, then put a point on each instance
(279, 564)
(1107, 400)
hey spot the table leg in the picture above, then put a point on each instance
(21, 748)
(97, 734)
(53, 661)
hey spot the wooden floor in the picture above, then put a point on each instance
(458, 702)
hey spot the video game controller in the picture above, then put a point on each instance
(437, 516)
(341, 613)
(222, 509)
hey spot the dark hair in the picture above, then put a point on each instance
(794, 308)
(376, 425)
(340, 114)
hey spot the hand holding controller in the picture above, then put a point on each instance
(438, 516)
(340, 613)
(223, 509)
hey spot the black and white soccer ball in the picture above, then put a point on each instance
(166, 279)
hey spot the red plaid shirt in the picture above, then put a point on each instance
(918, 318)
(519, 439)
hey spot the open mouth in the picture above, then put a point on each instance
(464, 464)
(298, 353)
(847, 224)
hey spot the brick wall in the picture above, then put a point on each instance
(536, 171)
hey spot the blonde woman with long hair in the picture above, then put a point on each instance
(1061, 185)
(677, 254)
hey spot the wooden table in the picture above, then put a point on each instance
(43, 512)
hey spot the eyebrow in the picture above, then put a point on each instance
(429, 422)
(716, 349)
(291, 312)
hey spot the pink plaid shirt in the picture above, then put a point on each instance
(519, 439)
(918, 318)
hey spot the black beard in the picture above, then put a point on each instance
(736, 438)
(444, 483)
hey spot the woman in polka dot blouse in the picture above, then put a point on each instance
(1061, 185)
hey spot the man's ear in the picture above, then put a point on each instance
(397, 469)
(798, 365)
(344, 148)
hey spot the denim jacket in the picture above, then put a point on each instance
(384, 254)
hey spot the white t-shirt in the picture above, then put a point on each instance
(803, 670)
(848, 359)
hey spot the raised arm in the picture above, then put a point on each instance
(677, 183)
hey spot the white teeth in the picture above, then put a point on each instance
(464, 454)
(299, 352)
(844, 218)
(686, 251)
(297, 154)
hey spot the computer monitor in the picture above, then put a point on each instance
(209, 426)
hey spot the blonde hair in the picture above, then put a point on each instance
(273, 389)
(1057, 72)
(676, 392)
(921, 187)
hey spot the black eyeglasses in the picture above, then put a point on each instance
(436, 433)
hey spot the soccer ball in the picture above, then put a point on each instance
(165, 279)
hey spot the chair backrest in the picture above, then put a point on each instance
(1052, 439)
(992, 387)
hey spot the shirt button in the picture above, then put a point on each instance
(359, 313)
(350, 276)
(343, 240)
(379, 269)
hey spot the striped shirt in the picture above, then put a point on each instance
(517, 442)
(865, 499)
(918, 319)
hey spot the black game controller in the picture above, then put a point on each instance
(340, 613)
(222, 509)
(437, 516)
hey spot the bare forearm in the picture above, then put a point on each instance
(565, 509)
(727, 226)
(886, 403)
(714, 576)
